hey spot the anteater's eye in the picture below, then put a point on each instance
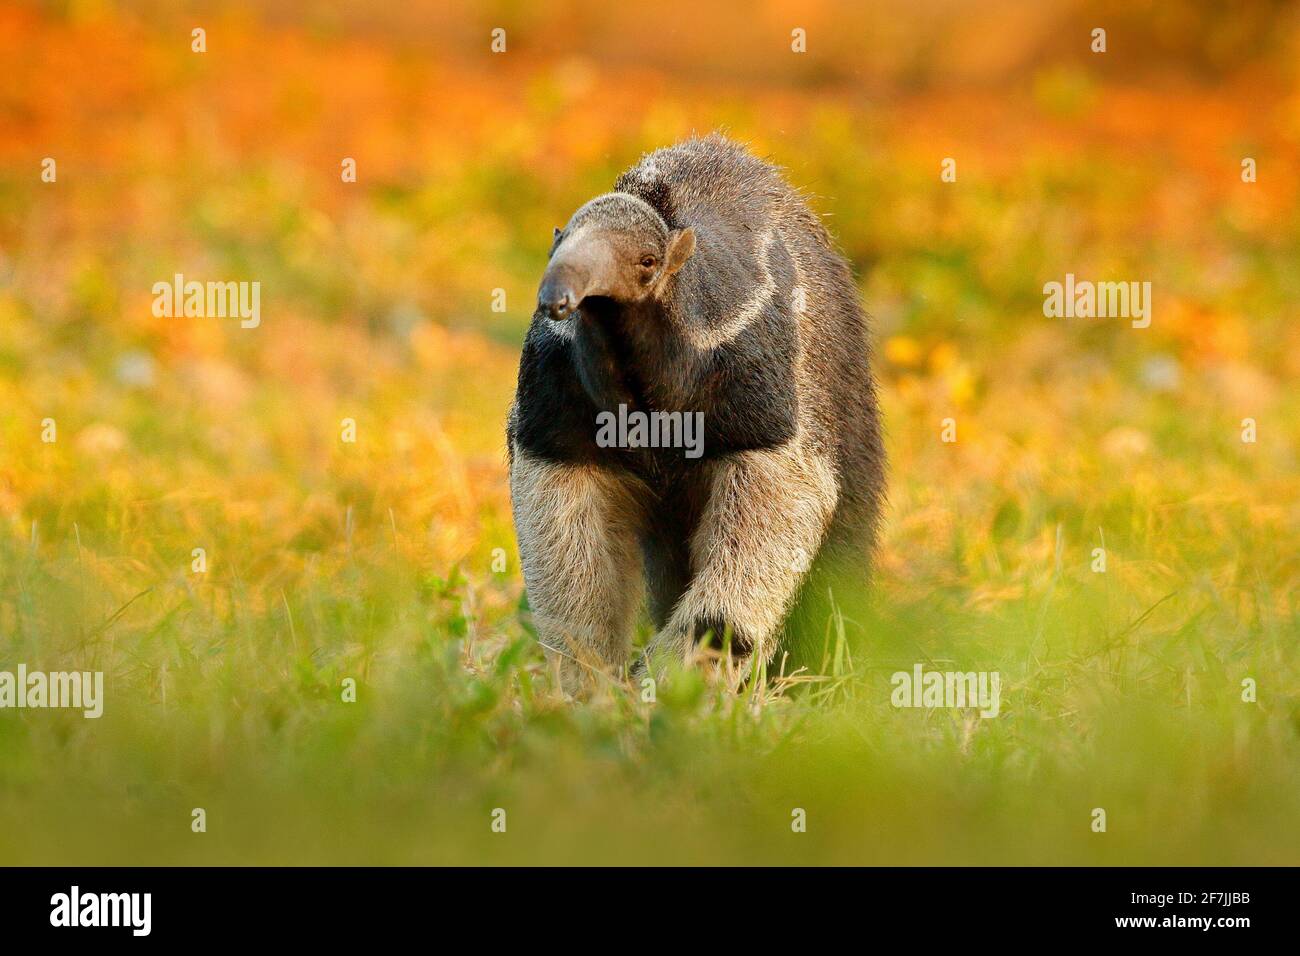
(647, 262)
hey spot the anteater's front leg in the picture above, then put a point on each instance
(766, 516)
(578, 529)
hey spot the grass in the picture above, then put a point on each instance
(378, 560)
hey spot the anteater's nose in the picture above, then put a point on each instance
(556, 300)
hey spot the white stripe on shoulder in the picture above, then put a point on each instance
(754, 305)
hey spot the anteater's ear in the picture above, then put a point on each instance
(681, 246)
(555, 240)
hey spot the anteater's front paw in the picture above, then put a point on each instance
(713, 632)
(708, 641)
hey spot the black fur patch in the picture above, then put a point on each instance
(554, 417)
(719, 632)
(660, 198)
(656, 192)
(745, 389)
(750, 399)
(601, 360)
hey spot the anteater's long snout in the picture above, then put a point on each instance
(557, 298)
(578, 268)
